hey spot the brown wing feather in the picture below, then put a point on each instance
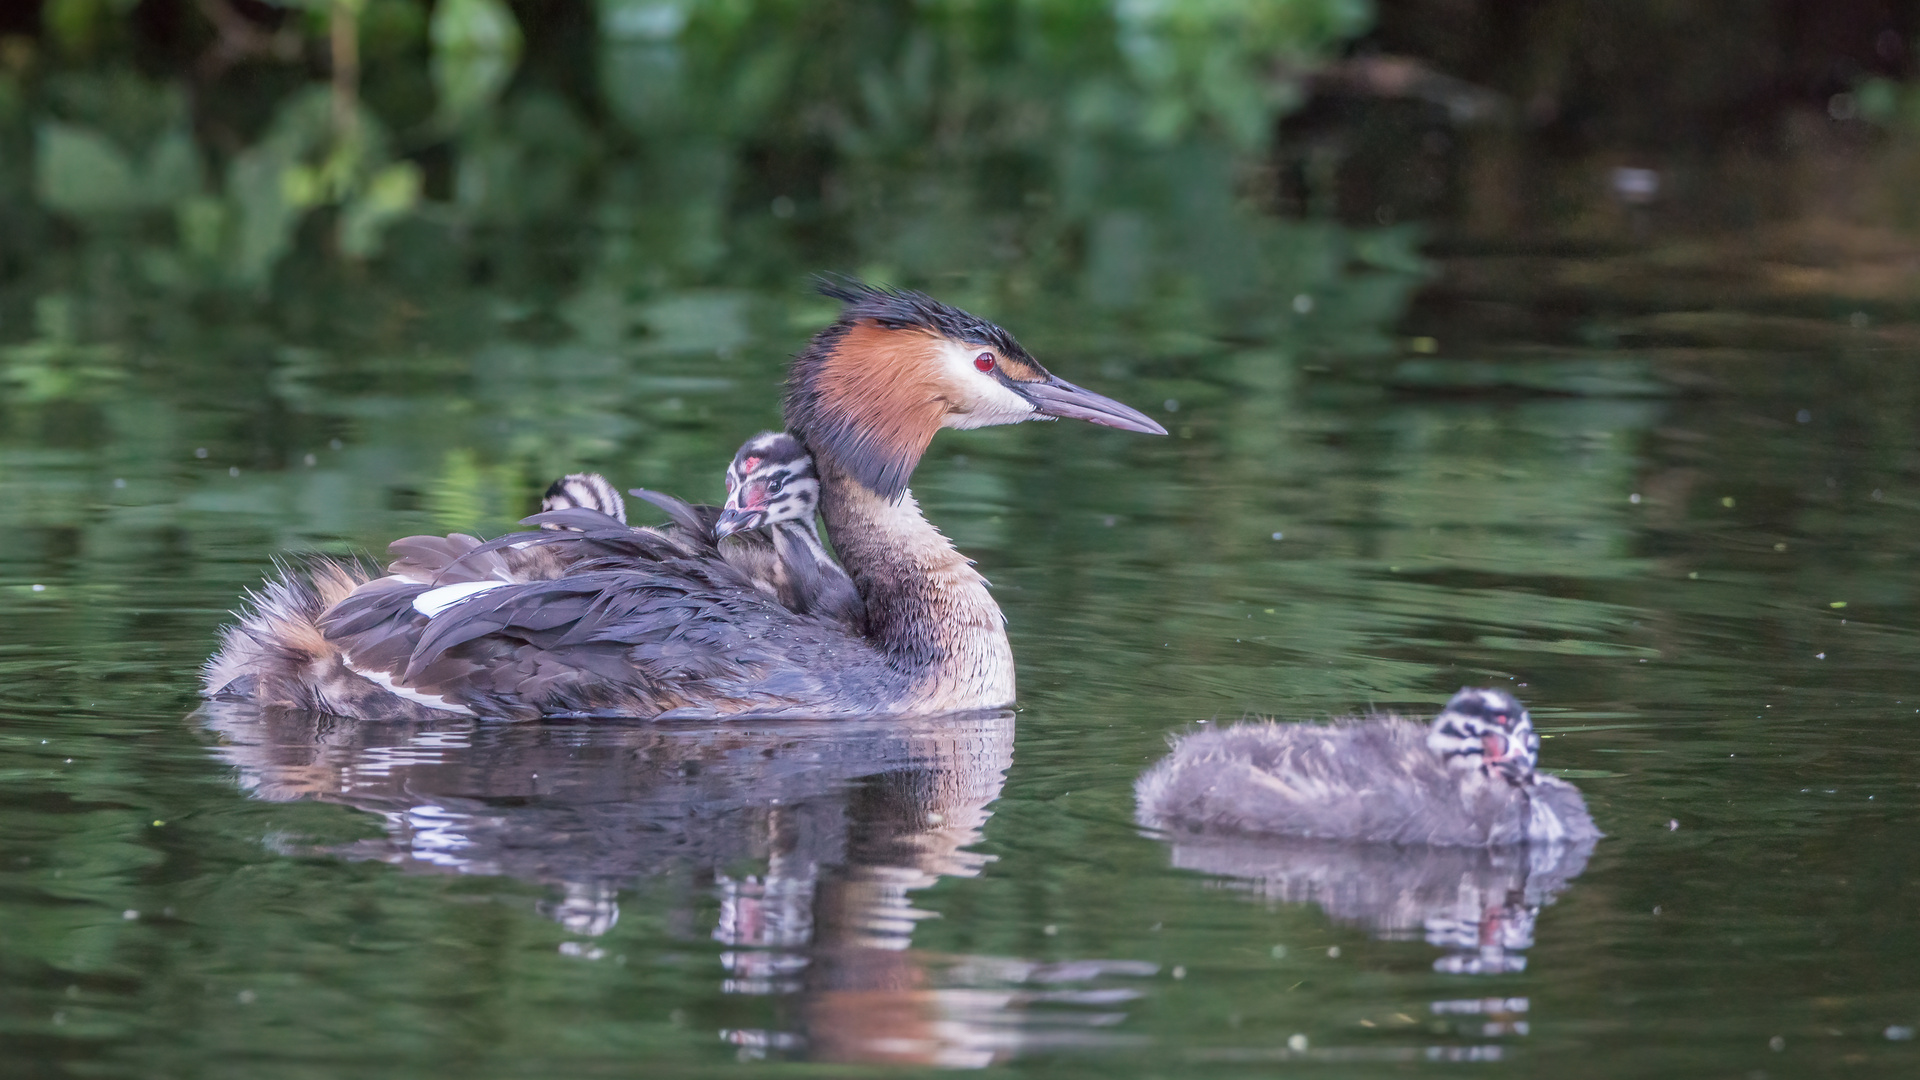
(612, 636)
(595, 618)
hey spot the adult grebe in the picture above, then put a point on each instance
(660, 632)
(1466, 780)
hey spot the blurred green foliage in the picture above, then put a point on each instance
(1025, 136)
(478, 243)
(1888, 102)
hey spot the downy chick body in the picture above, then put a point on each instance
(1465, 780)
(765, 530)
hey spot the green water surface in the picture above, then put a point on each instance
(1693, 558)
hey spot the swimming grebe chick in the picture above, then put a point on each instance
(653, 629)
(1465, 780)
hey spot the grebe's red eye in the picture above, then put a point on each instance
(984, 361)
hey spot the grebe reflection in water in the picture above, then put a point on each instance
(812, 840)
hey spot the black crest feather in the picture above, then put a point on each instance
(906, 309)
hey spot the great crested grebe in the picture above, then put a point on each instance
(653, 631)
(1466, 780)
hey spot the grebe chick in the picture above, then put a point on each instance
(646, 626)
(583, 491)
(766, 529)
(1466, 780)
(461, 560)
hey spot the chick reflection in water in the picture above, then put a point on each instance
(1447, 831)
(813, 839)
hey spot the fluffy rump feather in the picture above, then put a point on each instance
(277, 654)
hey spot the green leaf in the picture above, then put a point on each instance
(201, 223)
(173, 169)
(256, 184)
(391, 193)
(476, 45)
(78, 171)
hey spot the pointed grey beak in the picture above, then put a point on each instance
(1058, 397)
(733, 521)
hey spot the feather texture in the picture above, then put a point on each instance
(1375, 780)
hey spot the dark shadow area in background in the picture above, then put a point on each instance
(1505, 122)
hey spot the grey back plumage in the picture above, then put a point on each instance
(1376, 780)
(591, 616)
(638, 624)
(587, 618)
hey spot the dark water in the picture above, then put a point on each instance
(1687, 540)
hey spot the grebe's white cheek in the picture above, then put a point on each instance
(979, 398)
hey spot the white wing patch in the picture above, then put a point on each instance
(434, 601)
(431, 701)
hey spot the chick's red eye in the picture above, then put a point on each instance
(984, 361)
